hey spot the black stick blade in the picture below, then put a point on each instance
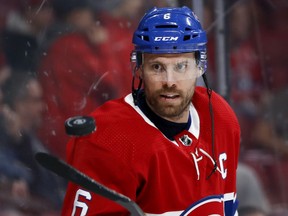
(68, 172)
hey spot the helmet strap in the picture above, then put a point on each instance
(135, 91)
(209, 93)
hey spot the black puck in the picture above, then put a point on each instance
(80, 125)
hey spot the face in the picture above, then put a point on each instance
(82, 19)
(169, 83)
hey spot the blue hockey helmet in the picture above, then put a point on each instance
(170, 30)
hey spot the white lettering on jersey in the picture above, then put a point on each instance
(222, 158)
(79, 204)
(196, 159)
(166, 38)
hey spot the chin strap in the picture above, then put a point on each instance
(209, 93)
(135, 92)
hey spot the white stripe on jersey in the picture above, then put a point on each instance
(174, 213)
(228, 197)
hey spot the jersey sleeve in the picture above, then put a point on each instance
(102, 166)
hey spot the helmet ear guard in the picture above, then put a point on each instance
(201, 60)
(136, 58)
(136, 62)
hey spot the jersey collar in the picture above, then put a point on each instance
(195, 124)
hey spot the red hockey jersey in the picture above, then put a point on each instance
(128, 154)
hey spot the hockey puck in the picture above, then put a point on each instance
(80, 125)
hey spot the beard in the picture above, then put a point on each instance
(170, 110)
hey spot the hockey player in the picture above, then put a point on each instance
(170, 146)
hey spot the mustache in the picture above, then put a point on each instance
(169, 90)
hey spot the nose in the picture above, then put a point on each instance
(170, 79)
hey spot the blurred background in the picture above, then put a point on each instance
(61, 58)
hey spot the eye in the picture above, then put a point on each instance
(157, 67)
(181, 67)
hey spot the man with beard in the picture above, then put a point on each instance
(170, 146)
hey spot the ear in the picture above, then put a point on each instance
(200, 71)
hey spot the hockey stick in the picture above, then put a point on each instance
(70, 173)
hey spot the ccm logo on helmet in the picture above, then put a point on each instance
(166, 38)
